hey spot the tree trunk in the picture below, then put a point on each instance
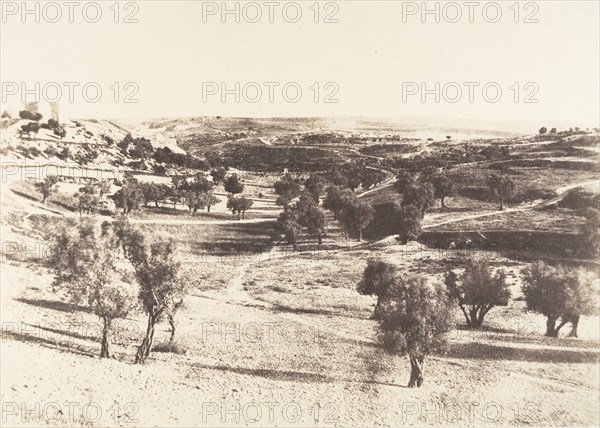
(550, 330)
(238, 215)
(443, 205)
(360, 235)
(416, 372)
(467, 319)
(104, 351)
(208, 208)
(482, 313)
(377, 309)
(574, 322)
(473, 315)
(319, 239)
(501, 203)
(557, 329)
(144, 349)
(243, 214)
(172, 323)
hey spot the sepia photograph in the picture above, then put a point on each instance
(303, 213)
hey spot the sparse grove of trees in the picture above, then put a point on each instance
(412, 312)
(305, 213)
(195, 193)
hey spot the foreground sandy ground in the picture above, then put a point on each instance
(254, 362)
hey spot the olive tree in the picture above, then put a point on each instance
(312, 216)
(407, 223)
(47, 186)
(162, 286)
(405, 179)
(421, 196)
(444, 186)
(288, 225)
(560, 294)
(129, 197)
(86, 267)
(336, 199)
(590, 236)
(377, 277)
(356, 215)
(414, 319)
(315, 185)
(209, 200)
(239, 205)
(287, 188)
(477, 290)
(233, 185)
(501, 186)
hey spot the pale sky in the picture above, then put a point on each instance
(367, 55)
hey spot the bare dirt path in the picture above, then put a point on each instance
(236, 294)
(192, 222)
(535, 205)
(386, 183)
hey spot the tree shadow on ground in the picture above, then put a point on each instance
(277, 307)
(291, 375)
(72, 333)
(47, 343)
(563, 342)
(56, 305)
(450, 209)
(474, 351)
(483, 329)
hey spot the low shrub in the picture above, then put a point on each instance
(171, 347)
(533, 195)
(579, 198)
(478, 193)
